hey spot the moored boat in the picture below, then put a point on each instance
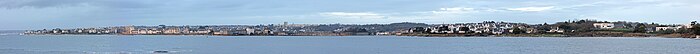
(160, 51)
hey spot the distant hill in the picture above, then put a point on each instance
(399, 26)
(372, 27)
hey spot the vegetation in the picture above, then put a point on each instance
(518, 31)
(641, 28)
(696, 29)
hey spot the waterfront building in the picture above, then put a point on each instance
(249, 31)
(662, 28)
(129, 30)
(604, 25)
(556, 30)
(221, 33)
(172, 31)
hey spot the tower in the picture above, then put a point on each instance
(285, 24)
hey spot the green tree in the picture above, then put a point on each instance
(665, 32)
(518, 31)
(696, 29)
(684, 31)
(641, 28)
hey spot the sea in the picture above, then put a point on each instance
(183, 44)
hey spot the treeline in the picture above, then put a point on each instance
(586, 27)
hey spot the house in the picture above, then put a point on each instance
(531, 30)
(662, 28)
(687, 26)
(556, 30)
(693, 23)
(604, 25)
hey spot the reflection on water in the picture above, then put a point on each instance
(107, 44)
(35, 51)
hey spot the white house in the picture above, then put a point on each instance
(604, 25)
(687, 25)
(667, 28)
(556, 30)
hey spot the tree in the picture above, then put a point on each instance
(665, 32)
(696, 29)
(566, 27)
(684, 31)
(418, 30)
(518, 31)
(427, 30)
(641, 28)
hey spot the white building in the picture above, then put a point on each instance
(604, 25)
(687, 26)
(667, 28)
(556, 30)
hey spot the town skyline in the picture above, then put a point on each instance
(573, 28)
(35, 14)
(278, 23)
(349, 26)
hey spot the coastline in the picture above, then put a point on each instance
(582, 28)
(498, 36)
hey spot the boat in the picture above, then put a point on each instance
(160, 51)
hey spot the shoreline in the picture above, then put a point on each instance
(369, 36)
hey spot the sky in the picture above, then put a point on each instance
(47, 14)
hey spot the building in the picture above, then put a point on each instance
(129, 30)
(221, 33)
(687, 26)
(662, 28)
(604, 25)
(556, 30)
(172, 31)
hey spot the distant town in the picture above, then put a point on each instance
(572, 28)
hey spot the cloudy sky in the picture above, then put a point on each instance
(40, 14)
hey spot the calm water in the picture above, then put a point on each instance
(105, 44)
